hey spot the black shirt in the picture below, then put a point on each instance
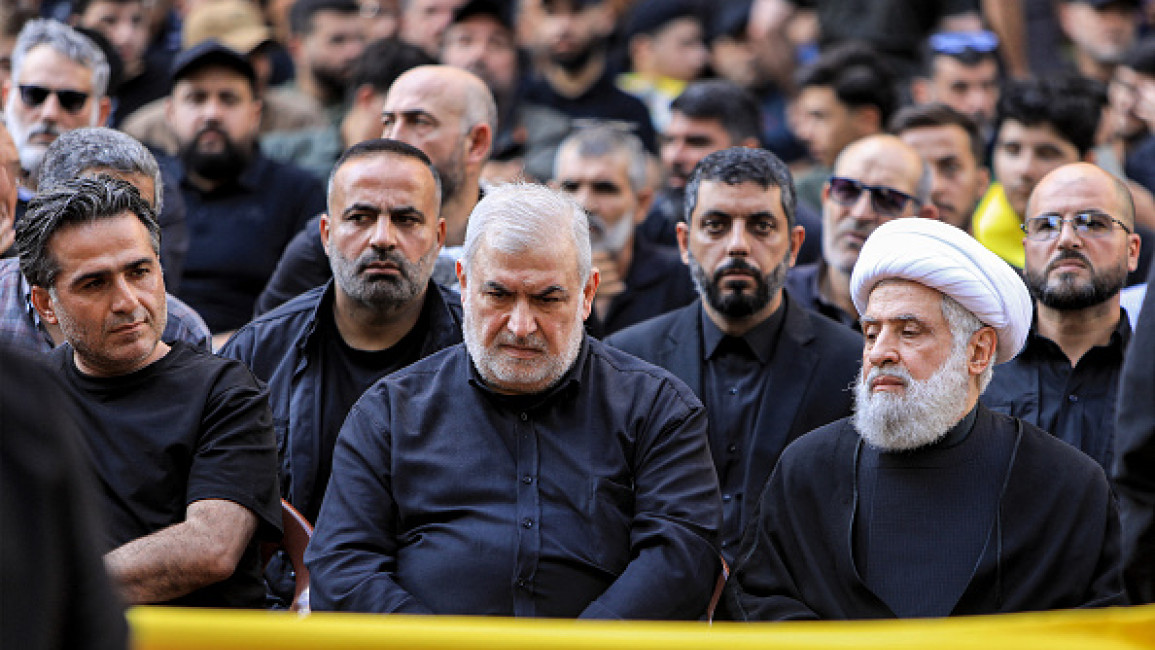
(735, 376)
(187, 427)
(602, 101)
(803, 283)
(594, 499)
(1076, 404)
(237, 233)
(347, 374)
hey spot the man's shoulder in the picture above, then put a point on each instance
(636, 373)
(645, 338)
(275, 330)
(1057, 463)
(832, 339)
(819, 448)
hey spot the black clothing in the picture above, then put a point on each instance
(657, 282)
(802, 282)
(303, 266)
(1133, 469)
(602, 101)
(796, 382)
(1052, 542)
(287, 349)
(54, 592)
(895, 508)
(153, 82)
(661, 223)
(237, 234)
(187, 427)
(593, 499)
(1077, 404)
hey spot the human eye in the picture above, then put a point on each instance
(763, 226)
(713, 226)
(569, 187)
(1011, 148)
(387, 119)
(1093, 223)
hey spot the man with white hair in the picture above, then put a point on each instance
(567, 479)
(59, 80)
(925, 503)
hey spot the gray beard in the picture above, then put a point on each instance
(919, 417)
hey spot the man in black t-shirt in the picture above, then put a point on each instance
(181, 441)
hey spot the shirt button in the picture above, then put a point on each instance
(733, 391)
(732, 448)
(727, 498)
(521, 583)
(528, 523)
(527, 479)
(725, 544)
(1073, 398)
(524, 417)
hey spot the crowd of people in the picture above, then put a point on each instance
(644, 309)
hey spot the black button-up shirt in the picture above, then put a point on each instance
(803, 282)
(1075, 404)
(594, 499)
(735, 377)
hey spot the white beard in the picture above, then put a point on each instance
(921, 415)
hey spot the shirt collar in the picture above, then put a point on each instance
(761, 340)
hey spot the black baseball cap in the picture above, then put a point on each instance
(499, 10)
(211, 52)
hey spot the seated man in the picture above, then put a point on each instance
(181, 441)
(86, 152)
(925, 503)
(567, 479)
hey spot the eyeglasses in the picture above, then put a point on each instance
(70, 100)
(1087, 225)
(886, 201)
(956, 43)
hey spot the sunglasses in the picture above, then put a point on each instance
(1087, 225)
(956, 43)
(70, 100)
(886, 201)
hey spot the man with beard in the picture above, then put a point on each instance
(925, 503)
(379, 313)
(876, 179)
(59, 80)
(447, 113)
(531, 471)
(181, 440)
(326, 39)
(766, 368)
(1100, 31)
(242, 208)
(604, 169)
(1080, 245)
(574, 76)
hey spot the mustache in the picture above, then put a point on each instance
(44, 128)
(1068, 254)
(533, 341)
(378, 256)
(736, 264)
(895, 372)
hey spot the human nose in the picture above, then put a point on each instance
(124, 298)
(883, 349)
(863, 206)
(382, 236)
(1068, 236)
(737, 242)
(521, 322)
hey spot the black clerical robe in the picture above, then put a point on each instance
(1054, 541)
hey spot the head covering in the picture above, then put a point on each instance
(945, 258)
(235, 23)
(499, 10)
(209, 53)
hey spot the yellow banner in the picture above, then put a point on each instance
(160, 628)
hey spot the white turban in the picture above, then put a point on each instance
(945, 258)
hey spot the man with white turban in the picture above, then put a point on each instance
(925, 503)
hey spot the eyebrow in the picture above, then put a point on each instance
(902, 318)
(80, 279)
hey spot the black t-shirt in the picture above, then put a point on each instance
(187, 427)
(349, 372)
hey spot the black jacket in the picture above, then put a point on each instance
(813, 365)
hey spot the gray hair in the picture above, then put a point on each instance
(78, 152)
(604, 139)
(963, 324)
(68, 42)
(516, 217)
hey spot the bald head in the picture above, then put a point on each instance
(447, 91)
(910, 173)
(1060, 183)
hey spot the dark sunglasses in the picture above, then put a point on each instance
(1088, 225)
(886, 201)
(956, 43)
(70, 100)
